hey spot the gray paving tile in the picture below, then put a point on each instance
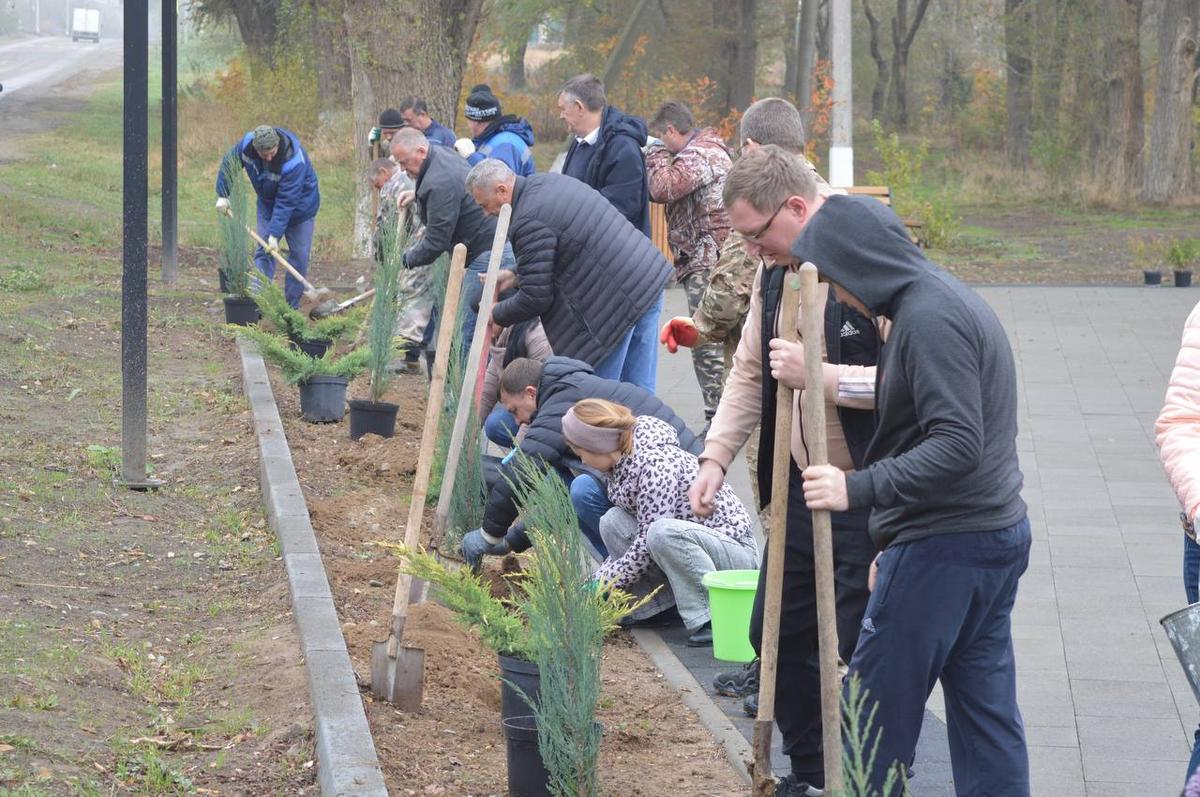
(1093, 698)
(1056, 771)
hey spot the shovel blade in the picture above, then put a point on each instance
(399, 681)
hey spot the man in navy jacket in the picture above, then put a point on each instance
(288, 197)
(607, 150)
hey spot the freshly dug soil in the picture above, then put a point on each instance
(357, 493)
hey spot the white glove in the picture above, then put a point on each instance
(273, 244)
(464, 147)
(222, 204)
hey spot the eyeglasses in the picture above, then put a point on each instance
(756, 237)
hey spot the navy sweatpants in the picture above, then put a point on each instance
(942, 609)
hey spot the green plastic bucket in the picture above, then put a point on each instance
(731, 601)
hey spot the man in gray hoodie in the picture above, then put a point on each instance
(942, 483)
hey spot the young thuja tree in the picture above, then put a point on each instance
(384, 310)
(295, 325)
(862, 746)
(236, 246)
(297, 366)
(567, 622)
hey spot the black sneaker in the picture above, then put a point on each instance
(738, 683)
(792, 787)
(667, 617)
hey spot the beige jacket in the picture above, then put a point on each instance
(740, 409)
(537, 347)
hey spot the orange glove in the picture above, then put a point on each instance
(679, 331)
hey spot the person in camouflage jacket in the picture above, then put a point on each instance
(686, 171)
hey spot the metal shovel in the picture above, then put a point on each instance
(398, 673)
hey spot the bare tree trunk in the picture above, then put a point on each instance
(1168, 173)
(328, 26)
(1118, 166)
(624, 45)
(791, 46)
(902, 39)
(402, 47)
(257, 23)
(882, 71)
(807, 58)
(1018, 33)
(745, 60)
(516, 65)
(823, 30)
(1052, 19)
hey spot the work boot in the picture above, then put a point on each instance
(750, 705)
(738, 683)
(791, 786)
(701, 637)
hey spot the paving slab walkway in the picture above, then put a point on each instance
(1107, 708)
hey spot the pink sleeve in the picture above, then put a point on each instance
(1177, 430)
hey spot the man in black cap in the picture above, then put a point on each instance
(389, 122)
(495, 135)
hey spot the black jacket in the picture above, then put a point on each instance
(581, 267)
(450, 214)
(944, 457)
(564, 382)
(618, 168)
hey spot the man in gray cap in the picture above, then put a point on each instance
(288, 197)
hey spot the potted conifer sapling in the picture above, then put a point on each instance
(311, 337)
(322, 380)
(375, 415)
(235, 251)
(1181, 254)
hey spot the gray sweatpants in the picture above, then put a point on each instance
(682, 552)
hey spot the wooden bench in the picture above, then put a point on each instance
(916, 227)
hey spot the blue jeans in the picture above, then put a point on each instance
(299, 236)
(1191, 585)
(500, 427)
(635, 359)
(590, 500)
(472, 290)
(942, 610)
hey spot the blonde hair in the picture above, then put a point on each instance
(608, 415)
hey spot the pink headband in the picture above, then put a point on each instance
(597, 439)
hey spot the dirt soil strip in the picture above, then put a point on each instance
(357, 493)
(345, 750)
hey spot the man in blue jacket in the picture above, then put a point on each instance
(495, 135)
(607, 150)
(288, 198)
(415, 113)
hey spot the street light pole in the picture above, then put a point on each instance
(170, 127)
(841, 138)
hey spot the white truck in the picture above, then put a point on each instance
(85, 24)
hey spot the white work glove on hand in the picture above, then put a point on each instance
(222, 204)
(373, 136)
(273, 244)
(464, 147)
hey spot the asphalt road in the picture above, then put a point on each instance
(45, 77)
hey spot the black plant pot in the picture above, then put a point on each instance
(323, 399)
(1183, 279)
(241, 310)
(372, 417)
(527, 776)
(523, 674)
(1152, 277)
(313, 348)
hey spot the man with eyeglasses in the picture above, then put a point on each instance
(769, 214)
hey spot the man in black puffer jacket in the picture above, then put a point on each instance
(539, 395)
(595, 281)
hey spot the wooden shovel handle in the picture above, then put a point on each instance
(471, 374)
(813, 319)
(281, 260)
(433, 411)
(764, 781)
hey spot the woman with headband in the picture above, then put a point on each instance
(651, 532)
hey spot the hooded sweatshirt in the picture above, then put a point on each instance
(507, 139)
(944, 456)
